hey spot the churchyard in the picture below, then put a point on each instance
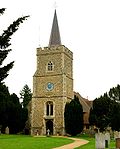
(25, 141)
(29, 142)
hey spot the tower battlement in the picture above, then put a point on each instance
(54, 49)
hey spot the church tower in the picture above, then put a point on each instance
(52, 85)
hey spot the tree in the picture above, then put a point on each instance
(99, 114)
(92, 117)
(114, 93)
(73, 116)
(106, 110)
(17, 115)
(10, 107)
(25, 95)
(14, 110)
(115, 116)
(5, 43)
(4, 98)
(2, 10)
(10, 111)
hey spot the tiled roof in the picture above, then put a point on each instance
(86, 104)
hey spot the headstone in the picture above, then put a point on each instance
(7, 130)
(100, 140)
(116, 135)
(107, 139)
(91, 132)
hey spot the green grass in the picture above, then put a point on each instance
(28, 142)
(91, 144)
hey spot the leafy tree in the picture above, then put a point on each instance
(4, 98)
(114, 93)
(115, 116)
(11, 112)
(92, 117)
(14, 98)
(2, 10)
(73, 116)
(10, 108)
(24, 119)
(17, 115)
(25, 95)
(14, 110)
(99, 114)
(5, 43)
(106, 110)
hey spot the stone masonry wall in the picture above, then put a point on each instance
(62, 78)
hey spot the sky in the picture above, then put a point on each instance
(89, 28)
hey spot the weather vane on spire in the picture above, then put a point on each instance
(55, 5)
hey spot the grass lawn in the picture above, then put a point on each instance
(91, 144)
(29, 142)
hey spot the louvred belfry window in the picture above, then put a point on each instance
(50, 66)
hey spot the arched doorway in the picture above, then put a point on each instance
(49, 126)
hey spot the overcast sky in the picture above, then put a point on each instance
(89, 28)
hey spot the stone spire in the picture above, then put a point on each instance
(55, 34)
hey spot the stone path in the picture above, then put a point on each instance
(76, 143)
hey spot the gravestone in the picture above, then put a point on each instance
(100, 140)
(107, 140)
(116, 135)
(7, 130)
(91, 132)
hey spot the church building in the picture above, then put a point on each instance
(52, 85)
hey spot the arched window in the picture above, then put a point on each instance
(50, 66)
(49, 108)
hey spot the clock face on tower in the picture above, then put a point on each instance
(50, 86)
